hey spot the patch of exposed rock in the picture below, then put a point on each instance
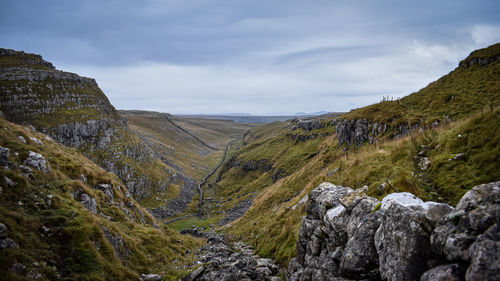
(4, 156)
(5, 241)
(237, 211)
(347, 235)
(308, 124)
(218, 261)
(177, 205)
(37, 161)
(358, 131)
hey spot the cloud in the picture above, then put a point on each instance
(485, 34)
(257, 56)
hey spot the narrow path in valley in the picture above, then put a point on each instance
(204, 181)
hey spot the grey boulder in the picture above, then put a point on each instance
(37, 161)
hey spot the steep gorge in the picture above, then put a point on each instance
(439, 144)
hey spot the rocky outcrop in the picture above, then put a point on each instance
(480, 61)
(237, 211)
(116, 241)
(308, 124)
(4, 156)
(37, 161)
(358, 131)
(218, 261)
(308, 129)
(177, 205)
(150, 277)
(73, 111)
(5, 241)
(347, 235)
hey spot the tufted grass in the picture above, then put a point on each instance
(75, 243)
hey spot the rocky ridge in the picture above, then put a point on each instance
(347, 235)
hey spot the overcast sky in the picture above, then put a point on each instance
(259, 57)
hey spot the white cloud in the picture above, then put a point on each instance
(484, 35)
(257, 88)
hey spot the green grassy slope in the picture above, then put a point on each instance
(59, 239)
(462, 152)
(177, 147)
(468, 88)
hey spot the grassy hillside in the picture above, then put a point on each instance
(60, 238)
(174, 139)
(439, 162)
(468, 88)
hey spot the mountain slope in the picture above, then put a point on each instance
(75, 112)
(436, 151)
(191, 147)
(65, 218)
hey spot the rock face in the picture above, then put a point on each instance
(73, 111)
(237, 211)
(358, 131)
(177, 205)
(221, 262)
(347, 235)
(308, 124)
(352, 131)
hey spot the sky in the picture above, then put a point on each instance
(260, 57)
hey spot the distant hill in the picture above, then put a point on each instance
(311, 113)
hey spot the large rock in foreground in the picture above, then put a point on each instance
(347, 235)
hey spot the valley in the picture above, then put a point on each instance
(404, 189)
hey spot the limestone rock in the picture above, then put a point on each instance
(10, 183)
(25, 171)
(89, 202)
(485, 256)
(478, 210)
(220, 262)
(193, 275)
(3, 230)
(107, 189)
(360, 258)
(4, 157)
(37, 141)
(8, 243)
(308, 124)
(348, 235)
(446, 272)
(352, 132)
(37, 161)
(403, 243)
(151, 277)
(5, 241)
